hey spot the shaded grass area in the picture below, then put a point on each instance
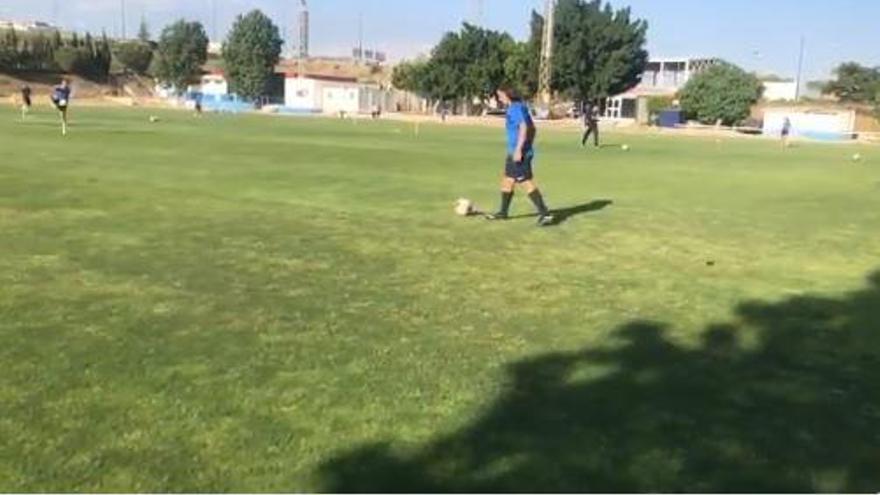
(257, 304)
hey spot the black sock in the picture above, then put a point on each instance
(506, 198)
(536, 198)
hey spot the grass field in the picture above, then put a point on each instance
(263, 304)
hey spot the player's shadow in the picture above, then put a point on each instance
(562, 215)
(783, 398)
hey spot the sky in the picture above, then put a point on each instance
(759, 35)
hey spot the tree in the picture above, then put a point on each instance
(723, 93)
(468, 64)
(251, 52)
(855, 83)
(599, 52)
(410, 76)
(143, 31)
(134, 55)
(523, 63)
(183, 49)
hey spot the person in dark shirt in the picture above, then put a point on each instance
(786, 132)
(61, 100)
(521, 134)
(25, 100)
(591, 123)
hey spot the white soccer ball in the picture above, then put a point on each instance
(625, 147)
(154, 119)
(464, 207)
(62, 103)
(857, 157)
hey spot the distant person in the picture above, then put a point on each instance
(786, 132)
(61, 100)
(198, 106)
(591, 123)
(26, 102)
(444, 112)
(521, 134)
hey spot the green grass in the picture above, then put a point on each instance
(268, 304)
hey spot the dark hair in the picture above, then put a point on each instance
(510, 91)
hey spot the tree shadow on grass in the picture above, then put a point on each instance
(785, 398)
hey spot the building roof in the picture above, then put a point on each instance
(320, 77)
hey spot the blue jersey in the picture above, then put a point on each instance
(61, 94)
(518, 114)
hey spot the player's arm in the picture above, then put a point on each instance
(521, 141)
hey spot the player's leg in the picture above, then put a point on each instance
(528, 182)
(508, 184)
(63, 112)
(595, 128)
(586, 136)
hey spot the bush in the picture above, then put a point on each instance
(657, 104)
(722, 93)
(134, 55)
(73, 60)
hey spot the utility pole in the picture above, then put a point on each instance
(546, 70)
(122, 14)
(800, 72)
(360, 36)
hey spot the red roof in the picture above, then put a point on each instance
(320, 77)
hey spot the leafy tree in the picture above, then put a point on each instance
(251, 52)
(134, 55)
(599, 52)
(57, 40)
(468, 64)
(143, 31)
(183, 49)
(723, 93)
(524, 61)
(855, 83)
(73, 60)
(410, 76)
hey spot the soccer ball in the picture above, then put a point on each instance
(154, 119)
(625, 147)
(857, 157)
(62, 103)
(464, 207)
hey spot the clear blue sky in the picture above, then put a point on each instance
(760, 35)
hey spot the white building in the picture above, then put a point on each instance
(332, 95)
(780, 90)
(822, 124)
(28, 26)
(662, 77)
(214, 84)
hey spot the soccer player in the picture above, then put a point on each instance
(591, 123)
(25, 100)
(61, 99)
(520, 154)
(786, 130)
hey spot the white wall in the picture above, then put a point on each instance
(302, 94)
(827, 125)
(214, 85)
(780, 91)
(341, 98)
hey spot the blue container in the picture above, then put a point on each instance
(670, 118)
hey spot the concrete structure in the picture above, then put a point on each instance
(303, 29)
(662, 77)
(333, 95)
(212, 84)
(28, 26)
(780, 90)
(823, 124)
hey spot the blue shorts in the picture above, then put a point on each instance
(522, 171)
